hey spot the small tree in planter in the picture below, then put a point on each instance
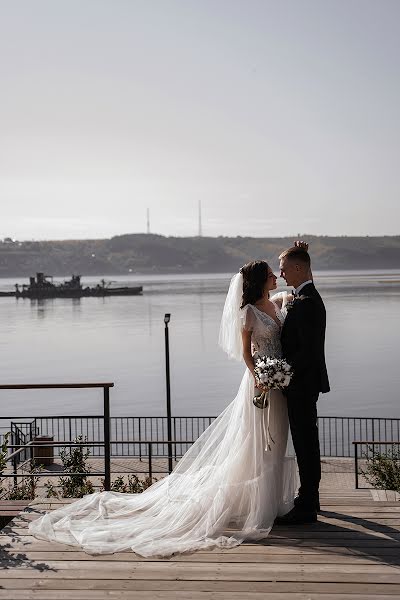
(3, 458)
(73, 485)
(383, 470)
(133, 485)
(26, 488)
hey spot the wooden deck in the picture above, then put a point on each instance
(353, 553)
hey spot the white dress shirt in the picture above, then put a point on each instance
(298, 289)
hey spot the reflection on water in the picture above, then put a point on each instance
(121, 339)
(217, 282)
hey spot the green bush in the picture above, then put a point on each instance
(3, 459)
(133, 485)
(25, 488)
(4, 452)
(383, 470)
(76, 483)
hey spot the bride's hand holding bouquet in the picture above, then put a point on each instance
(270, 374)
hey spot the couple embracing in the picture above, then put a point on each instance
(301, 319)
(230, 486)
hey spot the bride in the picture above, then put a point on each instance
(231, 484)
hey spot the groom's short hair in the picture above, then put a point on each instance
(297, 254)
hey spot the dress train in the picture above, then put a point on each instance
(226, 489)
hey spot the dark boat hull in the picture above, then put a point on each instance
(42, 286)
(99, 292)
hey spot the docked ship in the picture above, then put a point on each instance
(42, 286)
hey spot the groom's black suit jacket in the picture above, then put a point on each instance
(303, 343)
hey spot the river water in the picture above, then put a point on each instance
(121, 339)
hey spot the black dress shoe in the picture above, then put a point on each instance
(297, 517)
(298, 501)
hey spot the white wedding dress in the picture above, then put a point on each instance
(226, 489)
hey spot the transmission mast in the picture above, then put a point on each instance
(148, 221)
(200, 225)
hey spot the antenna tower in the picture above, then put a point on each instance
(200, 226)
(148, 221)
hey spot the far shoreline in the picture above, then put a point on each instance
(146, 273)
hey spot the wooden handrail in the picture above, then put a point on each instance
(43, 386)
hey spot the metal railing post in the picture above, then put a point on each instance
(15, 470)
(107, 438)
(150, 465)
(140, 437)
(175, 438)
(168, 386)
(356, 462)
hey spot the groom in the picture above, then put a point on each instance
(303, 340)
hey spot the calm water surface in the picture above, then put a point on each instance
(122, 340)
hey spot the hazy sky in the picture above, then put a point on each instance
(280, 116)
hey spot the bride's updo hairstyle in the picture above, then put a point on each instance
(255, 275)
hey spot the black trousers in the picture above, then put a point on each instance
(302, 411)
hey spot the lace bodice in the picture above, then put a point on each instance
(265, 331)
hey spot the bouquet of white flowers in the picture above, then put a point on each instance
(271, 373)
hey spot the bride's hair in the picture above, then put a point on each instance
(255, 275)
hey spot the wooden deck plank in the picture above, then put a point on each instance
(352, 553)
(324, 519)
(344, 507)
(329, 531)
(327, 518)
(8, 512)
(349, 539)
(222, 573)
(339, 537)
(333, 528)
(193, 570)
(188, 569)
(13, 503)
(176, 595)
(27, 544)
(235, 587)
(344, 512)
(347, 558)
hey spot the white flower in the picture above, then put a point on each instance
(274, 372)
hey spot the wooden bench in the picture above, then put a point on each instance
(10, 509)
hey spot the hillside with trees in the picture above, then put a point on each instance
(148, 253)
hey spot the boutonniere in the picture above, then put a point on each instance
(290, 304)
